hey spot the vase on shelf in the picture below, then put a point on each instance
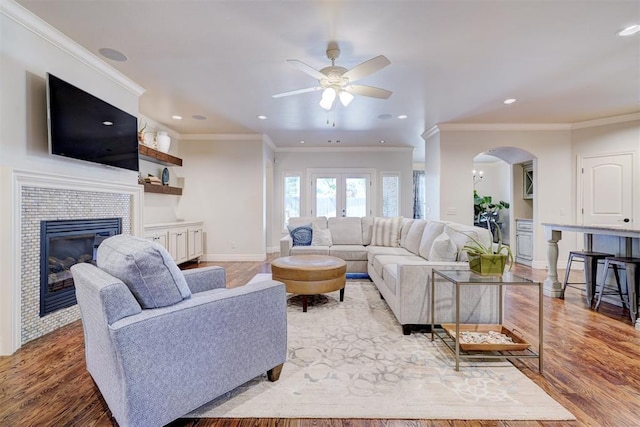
(163, 140)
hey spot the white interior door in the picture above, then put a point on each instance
(341, 194)
(607, 190)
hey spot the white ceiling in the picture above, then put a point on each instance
(451, 61)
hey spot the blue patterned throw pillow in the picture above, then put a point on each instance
(301, 235)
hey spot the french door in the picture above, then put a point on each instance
(341, 194)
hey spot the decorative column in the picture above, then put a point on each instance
(552, 287)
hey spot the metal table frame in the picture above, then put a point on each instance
(461, 278)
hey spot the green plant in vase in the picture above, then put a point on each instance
(488, 259)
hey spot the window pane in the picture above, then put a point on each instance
(291, 198)
(326, 190)
(356, 196)
(390, 195)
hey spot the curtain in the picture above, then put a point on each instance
(418, 194)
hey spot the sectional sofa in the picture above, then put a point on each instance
(398, 254)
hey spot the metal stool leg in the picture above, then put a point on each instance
(590, 276)
(566, 275)
(605, 271)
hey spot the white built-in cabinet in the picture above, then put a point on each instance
(183, 240)
(524, 241)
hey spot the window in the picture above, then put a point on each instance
(291, 197)
(390, 194)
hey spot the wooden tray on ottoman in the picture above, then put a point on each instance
(518, 342)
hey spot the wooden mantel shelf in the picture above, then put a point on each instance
(162, 189)
(151, 155)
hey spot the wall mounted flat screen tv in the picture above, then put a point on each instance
(82, 126)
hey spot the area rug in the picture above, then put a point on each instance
(350, 360)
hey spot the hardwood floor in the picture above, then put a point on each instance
(592, 367)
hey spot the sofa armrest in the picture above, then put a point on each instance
(286, 243)
(205, 279)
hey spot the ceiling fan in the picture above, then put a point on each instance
(336, 81)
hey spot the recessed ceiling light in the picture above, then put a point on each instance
(384, 116)
(509, 101)
(112, 54)
(261, 117)
(630, 30)
(402, 116)
(382, 141)
(301, 142)
(176, 117)
(107, 123)
(198, 117)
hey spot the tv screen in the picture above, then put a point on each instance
(84, 127)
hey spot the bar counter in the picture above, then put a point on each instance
(553, 233)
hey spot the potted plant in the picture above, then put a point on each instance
(487, 212)
(488, 259)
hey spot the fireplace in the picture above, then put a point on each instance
(64, 243)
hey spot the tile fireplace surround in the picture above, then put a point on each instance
(38, 197)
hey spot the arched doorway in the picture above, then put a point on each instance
(508, 175)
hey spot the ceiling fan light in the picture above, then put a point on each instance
(345, 98)
(328, 96)
(326, 103)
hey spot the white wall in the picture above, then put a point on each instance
(30, 48)
(432, 166)
(224, 186)
(380, 160)
(554, 192)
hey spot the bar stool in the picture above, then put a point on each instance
(630, 265)
(590, 260)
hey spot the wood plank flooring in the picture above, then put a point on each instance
(592, 367)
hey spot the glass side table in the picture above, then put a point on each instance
(460, 278)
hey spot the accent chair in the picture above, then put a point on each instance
(160, 342)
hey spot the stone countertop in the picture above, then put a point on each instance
(595, 229)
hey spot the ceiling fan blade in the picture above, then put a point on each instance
(296, 92)
(366, 68)
(370, 91)
(306, 69)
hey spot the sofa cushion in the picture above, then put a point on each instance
(320, 236)
(381, 261)
(367, 229)
(374, 251)
(301, 235)
(320, 221)
(146, 268)
(414, 236)
(349, 252)
(443, 249)
(386, 231)
(461, 235)
(346, 230)
(406, 226)
(432, 230)
(309, 250)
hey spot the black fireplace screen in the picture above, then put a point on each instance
(63, 244)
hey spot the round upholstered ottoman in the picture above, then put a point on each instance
(310, 275)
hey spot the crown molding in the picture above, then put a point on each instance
(431, 132)
(339, 149)
(222, 136)
(267, 140)
(504, 126)
(606, 121)
(33, 23)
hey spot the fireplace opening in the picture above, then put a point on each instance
(64, 243)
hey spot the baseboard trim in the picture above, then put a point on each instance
(233, 257)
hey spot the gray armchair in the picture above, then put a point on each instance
(159, 342)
